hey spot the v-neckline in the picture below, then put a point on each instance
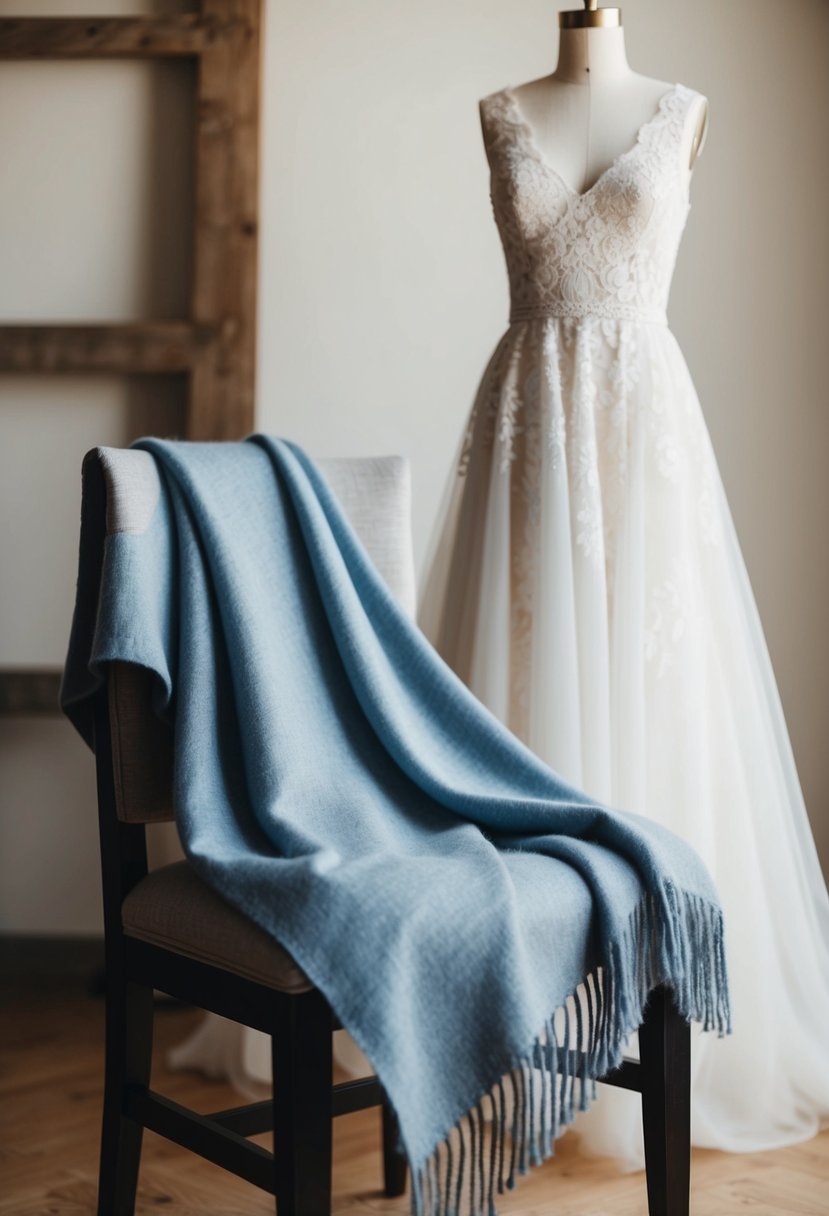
(546, 164)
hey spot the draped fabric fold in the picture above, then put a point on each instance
(486, 932)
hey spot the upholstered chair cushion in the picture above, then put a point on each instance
(174, 909)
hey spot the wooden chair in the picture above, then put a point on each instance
(166, 930)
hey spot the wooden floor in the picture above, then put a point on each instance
(50, 1098)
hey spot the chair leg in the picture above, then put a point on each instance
(665, 1055)
(301, 1055)
(394, 1159)
(129, 1040)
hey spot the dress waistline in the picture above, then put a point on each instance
(617, 312)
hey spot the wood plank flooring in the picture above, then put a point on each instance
(50, 1097)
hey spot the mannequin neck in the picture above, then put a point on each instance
(592, 56)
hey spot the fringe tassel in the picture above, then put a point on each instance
(677, 941)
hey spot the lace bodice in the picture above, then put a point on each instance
(607, 252)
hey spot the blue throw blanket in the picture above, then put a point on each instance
(487, 933)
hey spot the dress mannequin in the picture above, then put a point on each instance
(590, 109)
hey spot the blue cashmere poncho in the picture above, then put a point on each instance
(487, 933)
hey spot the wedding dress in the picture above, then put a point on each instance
(587, 584)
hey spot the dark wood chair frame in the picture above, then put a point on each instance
(298, 1172)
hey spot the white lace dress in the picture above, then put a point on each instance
(587, 584)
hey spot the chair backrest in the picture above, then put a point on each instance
(375, 494)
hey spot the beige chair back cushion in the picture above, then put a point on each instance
(375, 494)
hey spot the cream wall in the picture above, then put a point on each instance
(382, 295)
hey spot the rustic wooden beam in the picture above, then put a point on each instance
(144, 346)
(216, 346)
(181, 35)
(29, 691)
(221, 401)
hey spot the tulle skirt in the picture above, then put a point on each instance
(587, 584)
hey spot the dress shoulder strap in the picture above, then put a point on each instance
(684, 102)
(501, 132)
(666, 139)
